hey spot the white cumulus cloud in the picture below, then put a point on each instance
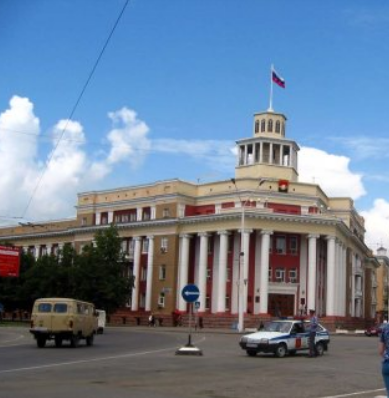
(331, 172)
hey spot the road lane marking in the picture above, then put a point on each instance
(121, 356)
(354, 394)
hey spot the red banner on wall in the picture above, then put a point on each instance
(9, 261)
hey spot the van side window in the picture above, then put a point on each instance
(61, 308)
(44, 307)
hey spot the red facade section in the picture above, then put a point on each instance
(283, 208)
(199, 210)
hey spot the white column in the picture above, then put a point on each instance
(271, 153)
(235, 274)
(153, 212)
(150, 267)
(312, 248)
(98, 218)
(203, 264)
(261, 153)
(222, 280)
(110, 217)
(183, 270)
(49, 247)
(264, 287)
(330, 298)
(343, 285)
(338, 296)
(139, 214)
(353, 265)
(135, 273)
(257, 272)
(36, 251)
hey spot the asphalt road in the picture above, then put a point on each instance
(141, 362)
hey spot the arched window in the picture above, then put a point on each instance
(257, 126)
(263, 125)
(278, 126)
(270, 126)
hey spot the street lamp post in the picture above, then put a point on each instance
(242, 258)
(241, 263)
(241, 272)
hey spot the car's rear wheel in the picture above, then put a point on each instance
(319, 349)
(251, 353)
(89, 340)
(281, 350)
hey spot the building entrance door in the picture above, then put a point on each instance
(281, 305)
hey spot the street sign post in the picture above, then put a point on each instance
(190, 293)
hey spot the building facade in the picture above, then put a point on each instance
(261, 243)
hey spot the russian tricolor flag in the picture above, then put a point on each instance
(277, 79)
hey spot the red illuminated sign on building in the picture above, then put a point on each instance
(9, 261)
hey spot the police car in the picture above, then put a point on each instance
(282, 337)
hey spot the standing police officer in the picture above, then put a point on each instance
(312, 334)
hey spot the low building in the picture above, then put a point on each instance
(257, 245)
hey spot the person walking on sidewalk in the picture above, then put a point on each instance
(383, 350)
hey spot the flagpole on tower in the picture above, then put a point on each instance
(271, 90)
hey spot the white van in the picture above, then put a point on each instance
(101, 321)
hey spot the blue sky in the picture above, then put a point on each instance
(177, 85)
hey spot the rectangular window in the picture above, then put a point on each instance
(84, 221)
(166, 213)
(280, 245)
(207, 303)
(161, 300)
(210, 246)
(145, 245)
(209, 273)
(280, 274)
(271, 244)
(230, 243)
(44, 307)
(162, 272)
(270, 275)
(143, 274)
(104, 218)
(293, 245)
(131, 248)
(293, 275)
(227, 303)
(142, 300)
(164, 245)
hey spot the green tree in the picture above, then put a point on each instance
(101, 272)
(97, 275)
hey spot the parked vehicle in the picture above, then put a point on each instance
(101, 321)
(375, 330)
(282, 337)
(62, 319)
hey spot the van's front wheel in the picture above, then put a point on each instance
(74, 341)
(41, 341)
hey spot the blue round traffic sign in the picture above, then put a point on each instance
(190, 293)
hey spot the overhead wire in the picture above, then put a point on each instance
(75, 106)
